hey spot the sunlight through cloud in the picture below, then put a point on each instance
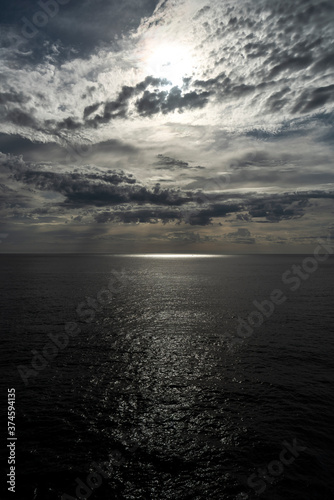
(171, 61)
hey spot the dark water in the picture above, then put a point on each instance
(154, 391)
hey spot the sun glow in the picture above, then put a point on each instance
(171, 61)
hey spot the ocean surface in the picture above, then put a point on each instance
(155, 388)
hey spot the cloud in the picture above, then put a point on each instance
(257, 55)
(73, 153)
(21, 118)
(201, 12)
(93, 189)
(91, 109)
(81, 26)
(291, 64)
(83, 104)
(9, 97)
(168, 163)
(279, 208)
(205, 216)
(133, 202)
(140, 216)
(273, 51)
(118, 108)
(165, 102)
(312, 99)
(242, 237)
(198, 217)
(189, 237)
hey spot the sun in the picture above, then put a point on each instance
(171, 61)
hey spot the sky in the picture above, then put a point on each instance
(172, 126)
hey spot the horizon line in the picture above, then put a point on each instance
(157, 254)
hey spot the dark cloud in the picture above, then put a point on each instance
(312, 99)
(282, 208)
(29, 149)
(258, 49)
(96, 189)
(269, 208)
(291, 64)
(278, 100)
(101, 195)
(57, 181)
(70, 153)
(9, 97)
(324, 63)
(165, 102)
(69, 124)
(119, 107)
(205, 216)
(91, 109)
(276, 210)
(114, 188)
(168, 163)
(244, 217)
(21, 118)
(201, 217)
(220, 82)
(141, 215)
(149, 103)
(189, 237)
(242, 236)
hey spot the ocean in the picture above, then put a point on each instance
(169, 377)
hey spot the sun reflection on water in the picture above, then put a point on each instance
(177, 256)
